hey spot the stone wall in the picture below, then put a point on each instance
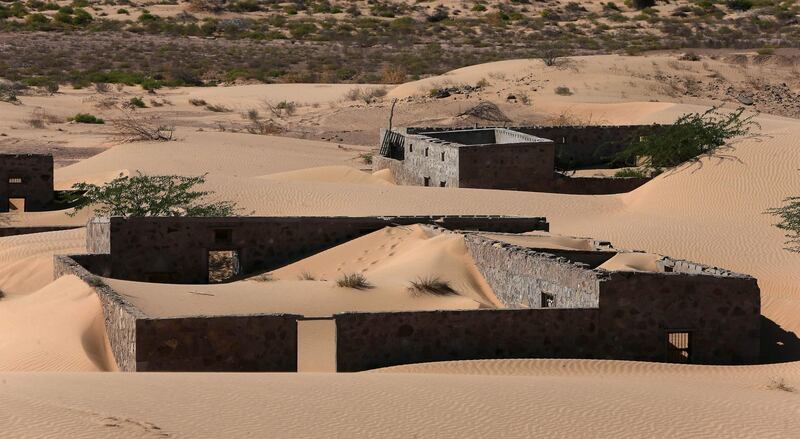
(595, 185)
(98, 235)
(119, 315)
(516, 166)
(519, 276)
(175, 250)
(13, 231)
(36, 173)
(722, 313)
(371, 340)
(256, 343)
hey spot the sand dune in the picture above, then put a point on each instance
(330, 174)
(490, 399)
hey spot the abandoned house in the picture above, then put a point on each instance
(26, 182)
(587, 300)
(523, 158)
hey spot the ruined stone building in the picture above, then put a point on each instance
(583, 301)
(26, 182)
(522, 158)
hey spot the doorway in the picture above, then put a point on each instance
(223, 265)
(679, 347)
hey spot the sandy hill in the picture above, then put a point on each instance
(710, 211)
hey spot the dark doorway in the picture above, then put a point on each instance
(223, 265)
(426, 181)
(679, 347)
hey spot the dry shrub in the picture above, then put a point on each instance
(356, 281)
(264, 127)
(393, 75)
(102, 87)
(307, 276)
(198, 102)
(780, 384)
(130, 127)
(486, 111)
(37, 118)
(263, 277)
(217, 108)
(368, 95)
(431, 285)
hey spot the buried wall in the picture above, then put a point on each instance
(176, 250)
(28, 176)
(372, 340)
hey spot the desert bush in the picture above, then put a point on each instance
(689, 137)
(149, 195)
(217, 108)
(630, 173)
(366, 158)
(264, 127)
(431, 285)
(132, 128)
(689, 56)
(393, 75)
(102, 87)
(137, 102)
(779, 383)
(307, 276)
(86, 118)
(789, 215)
(37, 118)
(563, 91)
(263, 277)
(198, 102)
(641, 4)
(287, 107)
(739, 5)
(553, 55)
(356, 281)
(8, 93)
(51, 87)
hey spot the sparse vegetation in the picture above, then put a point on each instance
(263, 277)
(691, 136)
(366, 158)
(431, 285)
(132, 128)
(356, 281)
(149, 195)
(137, 102)
(217, 108)
(307, 276)
(631, 173)
(86, 118)
(563, 91)
(95, 281)
(198, 102)
(780, 384)
(789, 215)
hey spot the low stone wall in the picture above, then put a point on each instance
(371, 340)
(119, 315)
(14, 231)
(176, 249)
(519, 276)
(255, 343)
(595, 185)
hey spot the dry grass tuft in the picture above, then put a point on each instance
(132, 128)
(356, 281)
(433, 286)
(307, 276)
(263, 277)
(779, 384)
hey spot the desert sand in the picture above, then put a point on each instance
(710, 211)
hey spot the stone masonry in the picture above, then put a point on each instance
(26, 176)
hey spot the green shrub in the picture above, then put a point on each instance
(789, 215)
(739, 5)
(563, 91)
(86, 118)
(630, 173)
(150, 195)
(137, 102)
(689, 137)
(641, 4)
